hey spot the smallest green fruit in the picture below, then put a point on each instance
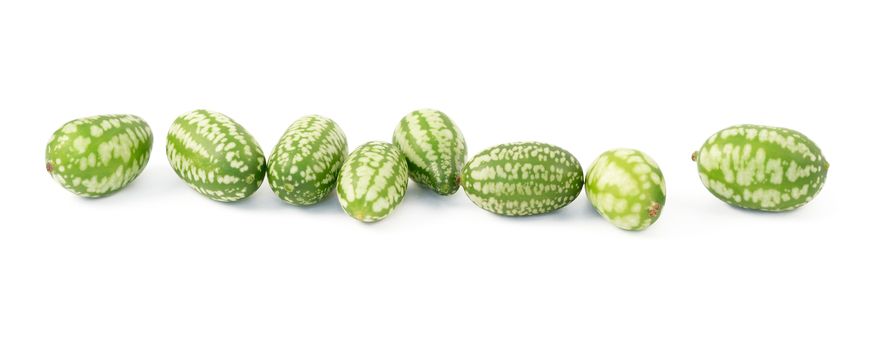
(627, 188)
(372, 182)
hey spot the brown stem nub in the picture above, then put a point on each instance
(694, 156)
(654, 208)
(49, 166)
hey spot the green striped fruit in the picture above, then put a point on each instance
(215, 155)
(523, 178)
(302, 168)
(372, 182)
(761, 167)
(434, 148)
(96, 156)
(627, 188)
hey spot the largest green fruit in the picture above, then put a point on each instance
(761, 167)
(372, 182)
(97, 156)
(215, 155)
(434, 148)
(303, 166)
(524, 178)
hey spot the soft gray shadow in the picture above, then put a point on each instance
(579, 211)
(265, 199)
(328, 205)
(146, 187)
(591, 211)
(157, 186)
(576, 211)
(427, 197)
(260, 200)
(761, 212)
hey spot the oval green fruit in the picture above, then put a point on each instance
(302, 168)
(372, 182)
(96, 156)
(434, 148)
(215, 155)
(524, 178)
(627, 188)
(761, 167)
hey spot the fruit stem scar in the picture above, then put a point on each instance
(694, 155)
(654, 209)
(49, 166)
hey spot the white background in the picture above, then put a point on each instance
(157, 266)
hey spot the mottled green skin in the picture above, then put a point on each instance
(761, 167)
(372, 182)
(215, 155)
(434, 148)
(97, 156)
(525, 178)
(627, 188)
(302, 168)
